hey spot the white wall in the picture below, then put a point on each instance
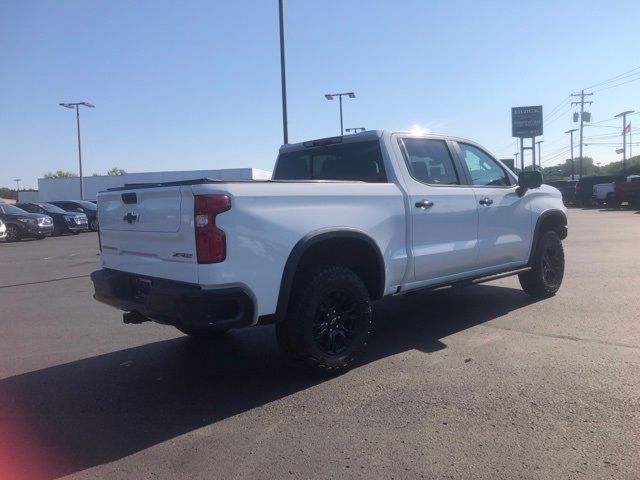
(69, 188)
(28, 197)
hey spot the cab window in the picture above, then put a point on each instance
(429, 161)
(484, 170)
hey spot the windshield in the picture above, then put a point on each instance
(51, 208)
(12, 210)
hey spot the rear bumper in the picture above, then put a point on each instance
(174, 303)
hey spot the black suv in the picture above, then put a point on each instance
(63, 222)
(88, 208)
(567, 189)
(21, 224)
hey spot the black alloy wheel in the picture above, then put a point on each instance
(335, 325)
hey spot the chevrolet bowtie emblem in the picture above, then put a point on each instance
(130, 218)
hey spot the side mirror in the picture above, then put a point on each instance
(527, 180)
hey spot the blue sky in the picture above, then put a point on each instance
(195, 84)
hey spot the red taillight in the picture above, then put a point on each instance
(211, 245)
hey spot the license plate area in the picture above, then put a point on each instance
(141, 287)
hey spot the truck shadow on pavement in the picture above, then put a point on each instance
(67, 418)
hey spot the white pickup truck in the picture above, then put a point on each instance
(343, 222)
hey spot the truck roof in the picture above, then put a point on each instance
(364, 136)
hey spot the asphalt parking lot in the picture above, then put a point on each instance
(469, 383)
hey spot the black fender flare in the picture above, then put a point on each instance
(309, 240)
(536, 232)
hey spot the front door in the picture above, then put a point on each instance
(504, 219)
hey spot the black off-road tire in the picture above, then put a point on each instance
(93, 225)
(545, 277)
(40, 237)
(328, 322)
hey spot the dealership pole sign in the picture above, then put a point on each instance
(526, 122)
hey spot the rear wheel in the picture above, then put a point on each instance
(40, 237)
(93, 225)
(13, 233)
(328, 321)
(547, 268)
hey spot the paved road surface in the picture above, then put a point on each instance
(472, 383)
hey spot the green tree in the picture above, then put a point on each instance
(8, 193)
(115, 171)
(60, 174)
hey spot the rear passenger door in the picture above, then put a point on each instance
(504, 219)
(442, 208)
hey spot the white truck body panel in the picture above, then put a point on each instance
(454, 239)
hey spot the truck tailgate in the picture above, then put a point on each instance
(149, 231)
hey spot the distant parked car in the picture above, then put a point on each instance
(63, 221)
(584, 188)
(567, 189)
(21, 224)
(82, 206)
(628, 191)
(3, 230)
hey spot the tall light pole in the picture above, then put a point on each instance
(624, 137)
(17, 180)
(516, 155)
(573, 175)
(539, 156)
(355, 129)
(283, 76)
(330, 96)
(76, 105)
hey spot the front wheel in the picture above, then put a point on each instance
(93, 225)
(547, 268)
(13, 233)
(328, 321)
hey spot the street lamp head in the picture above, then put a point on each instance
(66, 105)
(624, 113)
(572, 130)
(351, 95)
(328, 96)
(87, 104)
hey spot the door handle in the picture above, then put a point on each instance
(486, 201)
(424, 204)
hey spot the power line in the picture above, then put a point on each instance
(614, 78)
(617, 85)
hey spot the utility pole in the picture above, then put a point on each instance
(539, 156)
(516, 155)
(573, 175)
(581, 103)
(624, 137)
(283, 77)
(17, 180)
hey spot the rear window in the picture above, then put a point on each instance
(359, 161)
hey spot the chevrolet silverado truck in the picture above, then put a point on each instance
(343, 222)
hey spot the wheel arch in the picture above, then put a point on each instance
(358, 251)
(555, 220)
